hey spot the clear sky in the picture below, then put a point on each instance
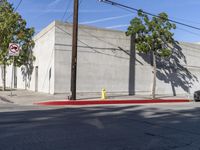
(40, 13)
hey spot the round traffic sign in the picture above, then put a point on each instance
(14, 48)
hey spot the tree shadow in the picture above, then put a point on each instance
(27, 70)
(173, 70)
(101, 128)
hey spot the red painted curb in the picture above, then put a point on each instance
(104, 102)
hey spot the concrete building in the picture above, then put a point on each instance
(106, 59)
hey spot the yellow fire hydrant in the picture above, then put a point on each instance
(103, 94)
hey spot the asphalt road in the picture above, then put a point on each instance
(119, 127)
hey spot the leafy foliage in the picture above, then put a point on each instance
(152, 34)
(13, 30)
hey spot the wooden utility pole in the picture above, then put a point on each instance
(74, 51)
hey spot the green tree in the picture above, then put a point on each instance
(13, 30)
(152, 35)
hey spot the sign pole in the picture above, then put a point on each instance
(14, 50)
(11, 94)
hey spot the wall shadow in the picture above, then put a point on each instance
(113, 48)
(173, 70)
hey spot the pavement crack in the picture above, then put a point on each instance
(159, 136)
(150, 134)
(171, 139)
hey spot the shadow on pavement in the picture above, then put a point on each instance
(5, 99)
(101, 128)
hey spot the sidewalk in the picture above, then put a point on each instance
(25, 97)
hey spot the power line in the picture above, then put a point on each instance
(194, 48)
(186, 20)
(18, 5)
(68, 6)
(80, 2)
(188, 31)
(40, 36)
(145, 12)
(69, 17)
(94, 49)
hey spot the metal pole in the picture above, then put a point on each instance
(74, 51)
(12, 76)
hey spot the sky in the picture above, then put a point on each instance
(40, 13)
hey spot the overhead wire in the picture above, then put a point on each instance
(130, 9)
(70, 15)
(94, 49)
(78, 40)
(99, 52)
(188, 31)
(137, 10)
(68, 6)
(145, 12)
(185, 20)
(18, 5)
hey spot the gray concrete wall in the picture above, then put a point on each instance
(101, 64)
(44, 53)
(192, 55)
(182, 77)
(105, 61)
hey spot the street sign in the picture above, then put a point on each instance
(14, 49)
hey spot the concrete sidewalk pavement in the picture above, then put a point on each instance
(25, 97)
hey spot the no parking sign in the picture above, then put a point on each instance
(14, 49)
